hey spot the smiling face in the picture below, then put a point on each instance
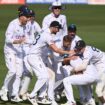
(56, 10)
(55, 30)
(71, 34)
(23, 20)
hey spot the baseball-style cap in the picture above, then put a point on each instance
(72, 28)
(55, 5)
(32, 13)
(56, 24)
(80, 44)
(23, 10)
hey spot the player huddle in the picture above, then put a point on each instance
(55, 55)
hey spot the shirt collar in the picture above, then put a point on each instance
(53, 15)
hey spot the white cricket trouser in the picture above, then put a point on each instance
(14, 63)
(89, 76)
(40, 71)
(65, 70)
(27, 76)
(100, 87)
(50, 86)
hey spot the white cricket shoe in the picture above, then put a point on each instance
(16, 99)
(3, 94)
(69, 103)
(42, 100)
(54, 102)
(63, 94)
(90, 102)
(24, 97)
(32, 100)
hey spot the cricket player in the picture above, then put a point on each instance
(33, 30)
(15, 37)
(72, 32)
(96, 57)
(56, 15)
(45, 39)
(83, 74)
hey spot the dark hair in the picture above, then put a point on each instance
(67, 38)
(80, 44)
(55, 24)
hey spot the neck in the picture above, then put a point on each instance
(56, 16)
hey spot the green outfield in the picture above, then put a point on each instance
(90, 21)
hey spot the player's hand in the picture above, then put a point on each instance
(78, 72)
(71, 52)
(23, 40)
(19, 41)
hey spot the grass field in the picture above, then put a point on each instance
(90, 21)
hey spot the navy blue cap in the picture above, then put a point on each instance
(72, 28)
(80, 44)
(24, 11)
(32, 13)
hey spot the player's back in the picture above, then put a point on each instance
(94, 54)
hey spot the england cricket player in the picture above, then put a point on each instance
(84, 75)
(45, 39)
(97, 57)
(33, 29)
(72, 32)
(15, 37)
(56, 15)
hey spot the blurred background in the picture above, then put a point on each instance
(88, 15)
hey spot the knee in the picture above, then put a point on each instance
(11, 73)
(65, 81)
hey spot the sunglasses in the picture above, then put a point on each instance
(57, 7)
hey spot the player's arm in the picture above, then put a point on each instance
(60, 51)
(9, 36)
(45, 23)
(82, 66)
(19, 41)
(86, 60)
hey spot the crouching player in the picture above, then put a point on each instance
(84, 73)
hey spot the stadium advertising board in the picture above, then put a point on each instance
(12, 1)
(101, 2)
(63, 1)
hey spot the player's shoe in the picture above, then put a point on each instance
(57, 96)
(42, 100)
(54, 102)
(24, 97)
(63, 94)
(91, 102)
(16, 99)
(32, 100)
(67, 103)
(4, 94)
